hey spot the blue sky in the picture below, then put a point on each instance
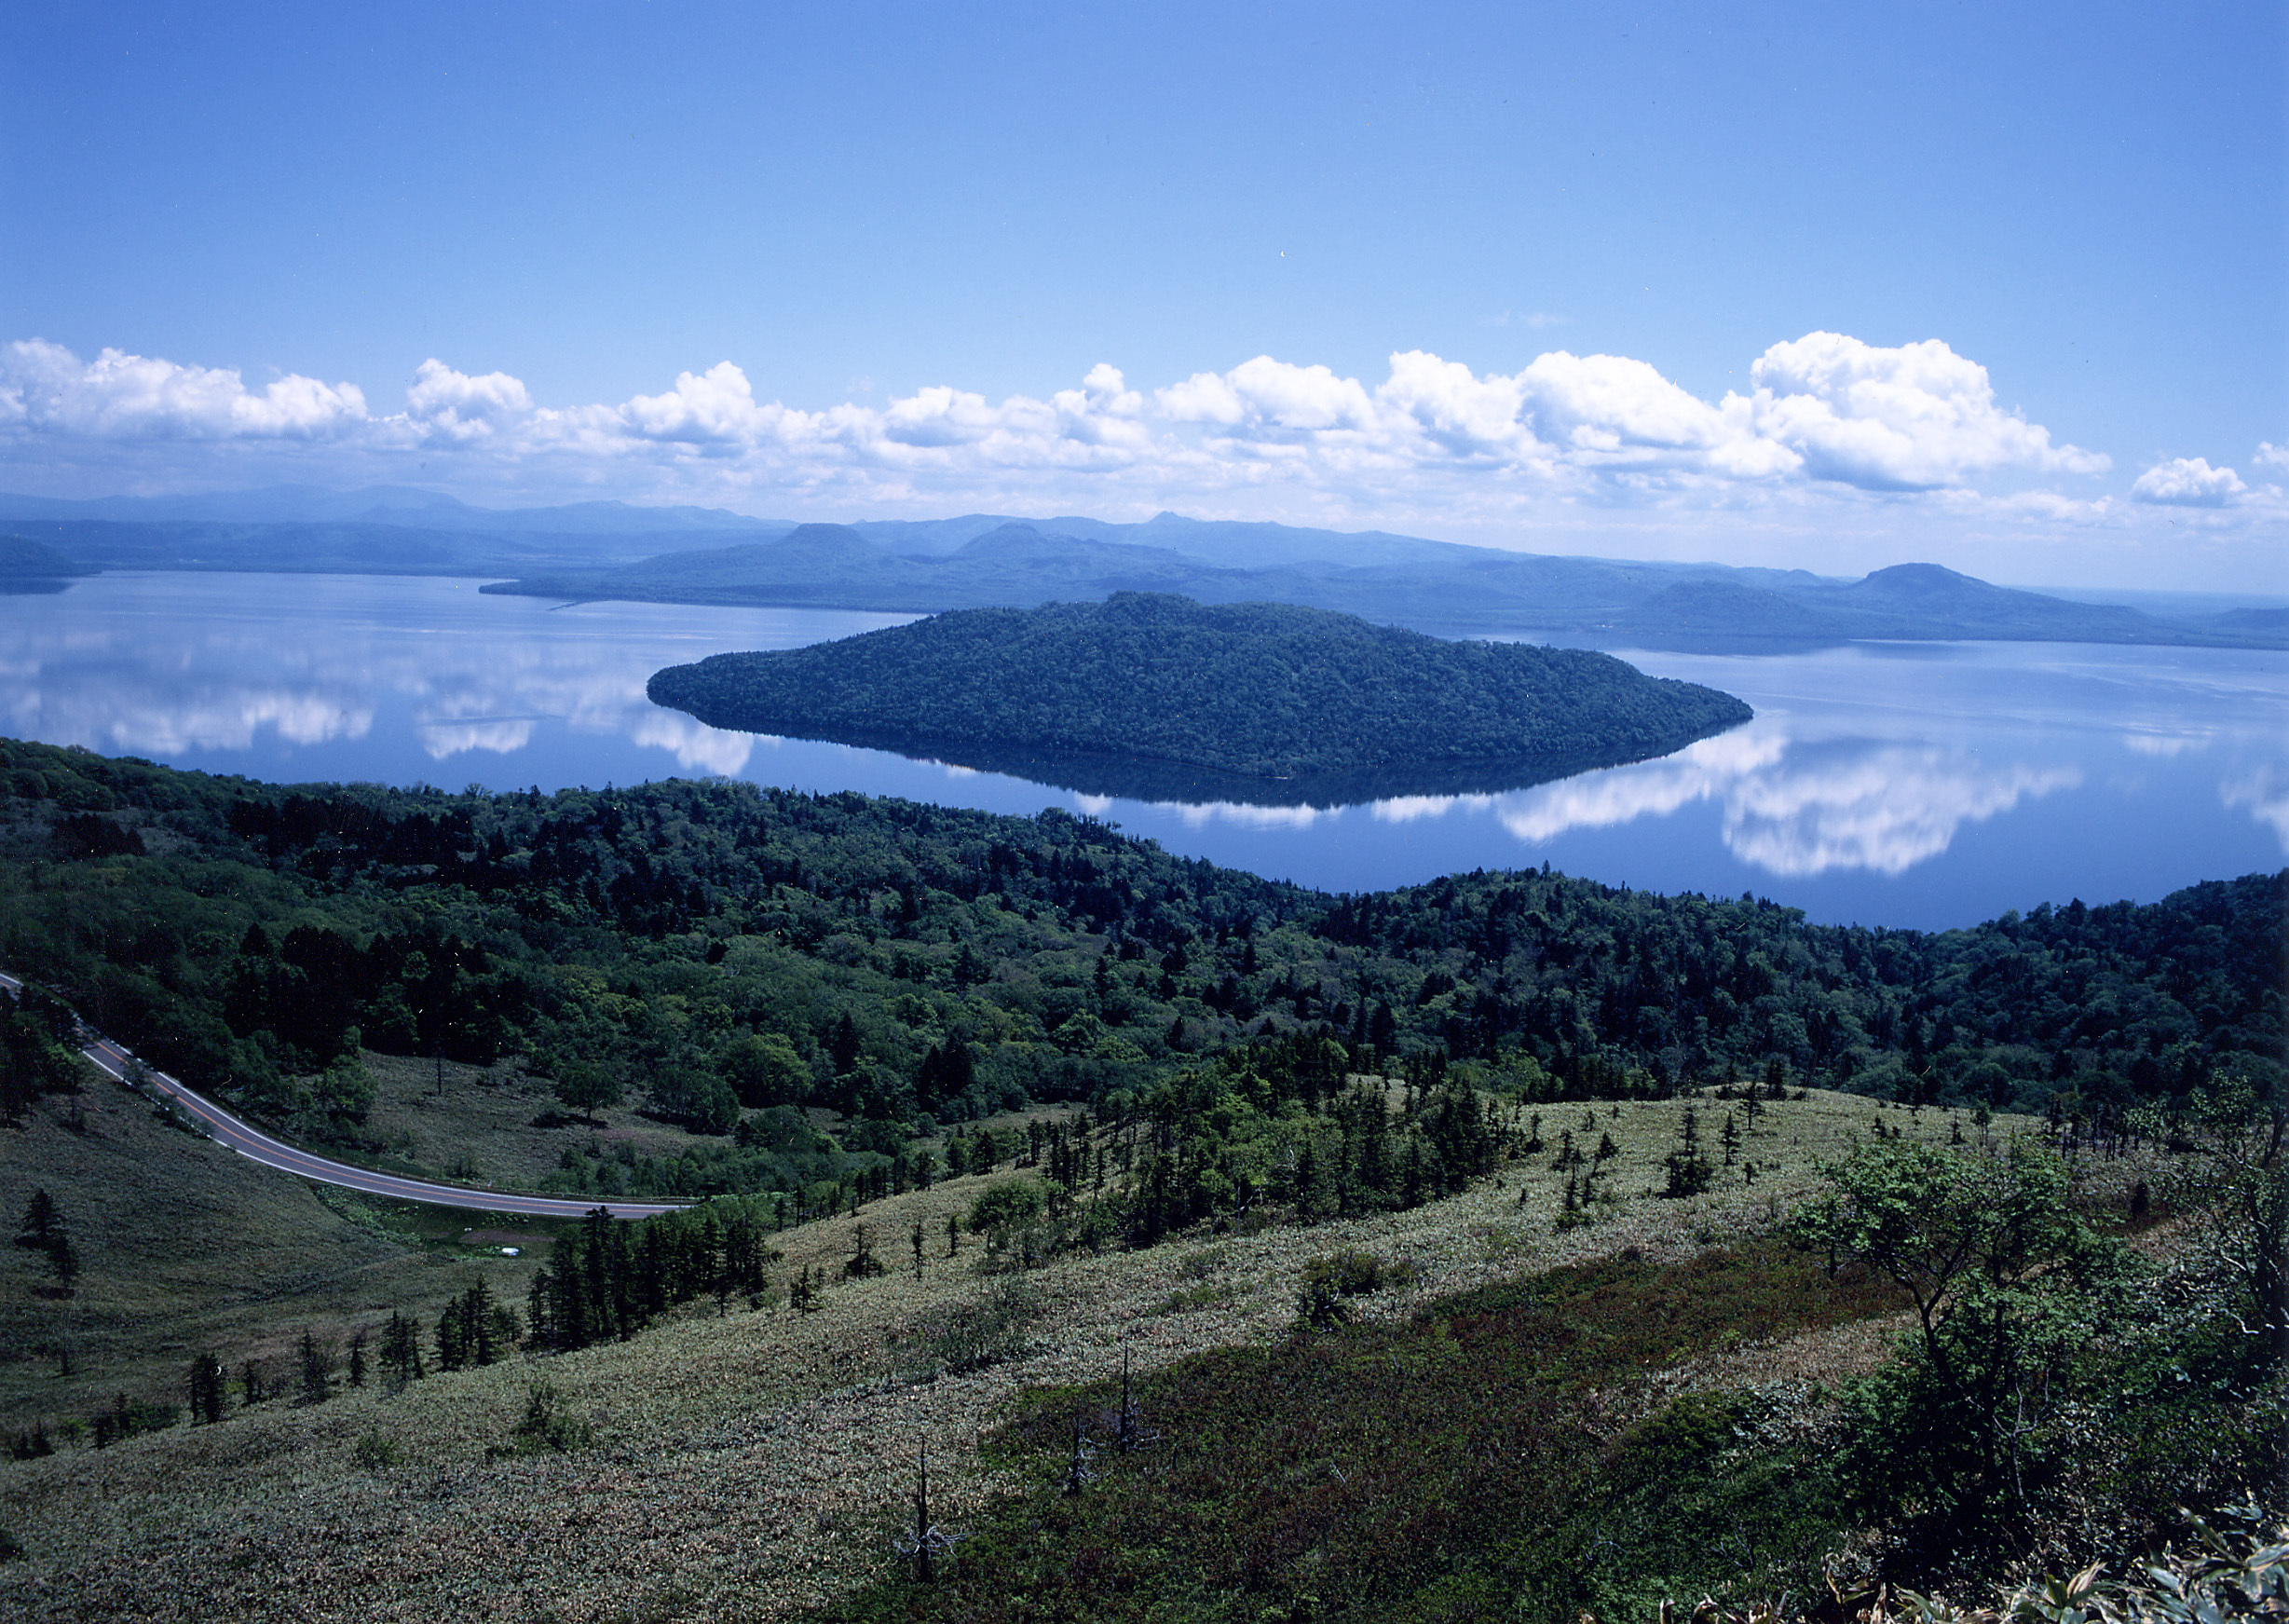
(1827, 286)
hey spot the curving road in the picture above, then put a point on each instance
(117, 1062)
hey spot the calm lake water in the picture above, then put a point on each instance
(1927, 785)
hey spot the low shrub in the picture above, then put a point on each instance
(545, 1427)
(985, 1333)
(1005, 1203)
(1331, 1278)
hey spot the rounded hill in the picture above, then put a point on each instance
(1160, 697)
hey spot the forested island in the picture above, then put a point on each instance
(1156, 695)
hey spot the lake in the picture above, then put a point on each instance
(1924, 784)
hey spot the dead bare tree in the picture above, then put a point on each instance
(1128, 1433)
(1079, 1473)
(928, 1542)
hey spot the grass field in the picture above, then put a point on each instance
(188, 1247)
(745, 1465)
(492, 1124)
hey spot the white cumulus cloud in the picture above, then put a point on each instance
(1911, 417)
(459, 408)
(2187, 481)
(1265, 399)
(717, 407)
(1827, 411)
(45, 387)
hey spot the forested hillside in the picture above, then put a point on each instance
(1325, 704)
(710, 951)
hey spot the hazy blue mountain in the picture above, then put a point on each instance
(1260, 545)
(1725, 609)
(1222, 542)
(1924, 595)
(936, 538)
(2267, 623)
(610, 549)
(347, 547)
(971, 563)
(27, 566)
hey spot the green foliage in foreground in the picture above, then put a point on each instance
(2234, 1565)
(2010, 1285)
(1257, 691)
(1509, 1453)
(2055, 1379)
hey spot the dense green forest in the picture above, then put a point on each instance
(710, 951)
(1323, 703)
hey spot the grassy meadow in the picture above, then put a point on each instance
(743, 1464)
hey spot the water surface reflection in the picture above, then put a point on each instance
(1932, 786)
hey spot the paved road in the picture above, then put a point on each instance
(115, 1061)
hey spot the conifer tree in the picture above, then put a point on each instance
(401, 1350)
(862, 1264)
(316, 1367)
(843, 1047)
(538, 1305)
(452, 1344)
(44, 1230)
(482, 1330)
(207, 1377)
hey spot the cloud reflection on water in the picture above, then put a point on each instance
(696, 747)
(1885, 810)
(1790, 807)
(1851, 767)
(2266, 794)
(230, 688)
(163, 718)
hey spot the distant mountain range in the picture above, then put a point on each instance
(1393, 580)
(611, 550)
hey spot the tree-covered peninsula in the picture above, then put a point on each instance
(1153, 695)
